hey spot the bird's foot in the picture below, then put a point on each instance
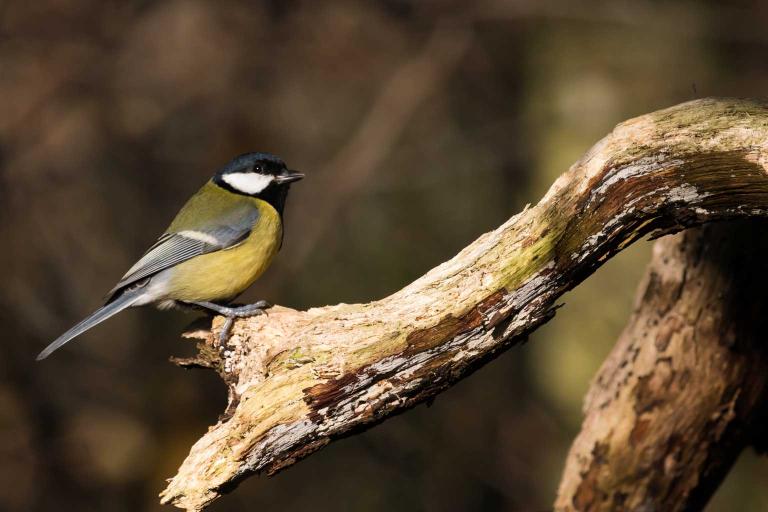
(233, 312)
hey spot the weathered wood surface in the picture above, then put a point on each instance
(298, 380)
(683, 391)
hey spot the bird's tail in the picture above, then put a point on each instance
(117, 305)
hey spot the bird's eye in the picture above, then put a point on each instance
(259, 168)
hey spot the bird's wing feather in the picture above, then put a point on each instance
(174, 248)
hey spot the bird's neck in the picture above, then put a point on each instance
(274, 195)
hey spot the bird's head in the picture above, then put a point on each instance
(256, 174)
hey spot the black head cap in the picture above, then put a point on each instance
(262, 163)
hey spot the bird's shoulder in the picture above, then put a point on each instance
(212, 207)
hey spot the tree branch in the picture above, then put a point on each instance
(683, 392)
(299, 380)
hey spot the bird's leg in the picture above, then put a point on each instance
(231, 313)
(257, 308)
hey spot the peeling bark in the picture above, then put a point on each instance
(683, 391)
(298, 380)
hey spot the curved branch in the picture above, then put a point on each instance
(298, 380)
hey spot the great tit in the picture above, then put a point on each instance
(220, 242)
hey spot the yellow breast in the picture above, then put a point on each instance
(223, 275)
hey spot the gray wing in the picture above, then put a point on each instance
(174, 248)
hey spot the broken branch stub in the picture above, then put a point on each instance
(298, 380)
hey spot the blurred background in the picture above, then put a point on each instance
(420, 124)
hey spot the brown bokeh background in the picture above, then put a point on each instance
(420, 124)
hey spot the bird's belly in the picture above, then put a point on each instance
(223, 275)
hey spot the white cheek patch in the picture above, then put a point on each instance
(248, 182)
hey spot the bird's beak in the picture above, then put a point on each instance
(288, 178)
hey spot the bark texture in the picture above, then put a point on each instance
(683, 391)
(298, 380)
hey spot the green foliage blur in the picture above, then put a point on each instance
(420, 125)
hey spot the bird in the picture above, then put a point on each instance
(219, 243)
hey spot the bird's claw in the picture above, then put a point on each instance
(226, 331)
(232, 313)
